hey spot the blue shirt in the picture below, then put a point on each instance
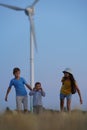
(37, 97)
(19, 85)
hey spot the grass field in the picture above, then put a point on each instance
(49, 120)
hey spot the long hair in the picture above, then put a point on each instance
(73, 81)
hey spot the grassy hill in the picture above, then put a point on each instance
(49, 120)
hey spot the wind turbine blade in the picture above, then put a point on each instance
(12, 7)
(33, 30)
(34, 3)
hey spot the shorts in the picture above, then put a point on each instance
(22, 101)
(63, 96)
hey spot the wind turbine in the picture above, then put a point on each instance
(29, 11)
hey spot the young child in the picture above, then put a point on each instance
(21, 94)
(66, 89)
(37, 94)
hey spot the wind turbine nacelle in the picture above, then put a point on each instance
(29, 11)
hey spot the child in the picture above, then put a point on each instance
(21, 93)
(66, 89)
(37, 94)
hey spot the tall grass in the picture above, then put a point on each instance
(46, 121)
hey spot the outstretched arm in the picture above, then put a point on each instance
(28, 86)
(79, 93)
(8, 91)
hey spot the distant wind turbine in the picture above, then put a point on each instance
(29, 11)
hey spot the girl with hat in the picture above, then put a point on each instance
(68, 82)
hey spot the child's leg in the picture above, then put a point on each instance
(35, 109)
(19, 103)
(62, 97)
(69, 102)
(69, 105)
(25, 103)
(40, 109)
(62, 105)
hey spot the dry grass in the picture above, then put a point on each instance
(47, 121)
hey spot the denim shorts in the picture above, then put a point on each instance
(63, 96)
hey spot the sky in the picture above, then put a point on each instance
(61, 31)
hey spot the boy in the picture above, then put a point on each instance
(37, 94)
(21, 94)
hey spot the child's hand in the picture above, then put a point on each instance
(40, 88)
(6, 98)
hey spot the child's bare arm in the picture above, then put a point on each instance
(79, 93)
(8, 91)
(28, 86)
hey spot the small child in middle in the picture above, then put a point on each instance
(37, 94)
